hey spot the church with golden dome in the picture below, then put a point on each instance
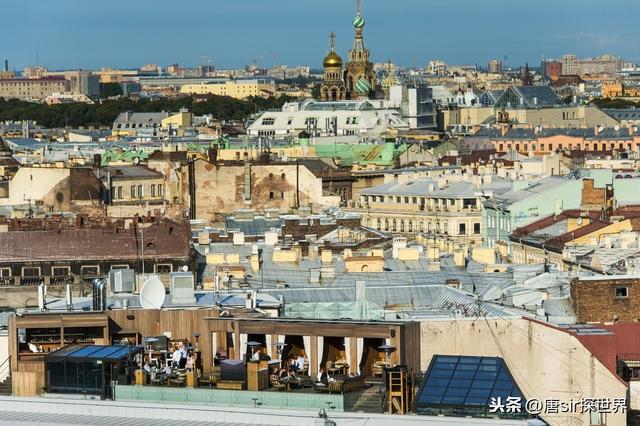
(357, 80)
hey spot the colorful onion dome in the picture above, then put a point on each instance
(362, 86)
(358, 22)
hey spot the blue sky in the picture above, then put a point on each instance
(231, 33)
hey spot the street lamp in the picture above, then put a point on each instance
(388, 350)
(149, 341)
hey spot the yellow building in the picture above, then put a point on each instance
(238, 89)
(180, 120)
(612, 89)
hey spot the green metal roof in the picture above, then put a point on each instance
(381, 154)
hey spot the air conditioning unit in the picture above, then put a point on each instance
(122, 280)
(182, 288)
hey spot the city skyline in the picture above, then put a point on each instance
(233, 35)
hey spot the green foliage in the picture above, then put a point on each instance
(615, 103)
(315, 91)
(108, 90)
(104, 113)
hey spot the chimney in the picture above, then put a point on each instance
(213, 154)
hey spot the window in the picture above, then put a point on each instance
(393, 226)
(5, 272)
(60, 271)
(133, 191)
(160, 190)
(622, 292)
(597, 419)
(119, 192)
(378, 223)
(401, 225)
(90, 270)
(271, 196)
(386, 224)
(476, 228)
(153, 190)
(163, 268)
(268, 121)
(140, 192)
(462, 228)
(410, 226)
(119, 267)
(31, 271)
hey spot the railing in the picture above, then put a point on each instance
(55, 280)
(5, 369)
(31, 281)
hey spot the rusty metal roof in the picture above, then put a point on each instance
(164, 238)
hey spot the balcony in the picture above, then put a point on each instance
(55, 280)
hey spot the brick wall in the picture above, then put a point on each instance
(596, 301)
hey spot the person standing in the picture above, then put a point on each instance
(183, 356)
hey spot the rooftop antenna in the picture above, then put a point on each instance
(358, 8)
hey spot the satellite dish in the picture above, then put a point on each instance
(152, 294)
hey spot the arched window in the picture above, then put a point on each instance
(378, 223)
(386, 224)
(365, 268)
(401, 225)
(410, 226)
(393, 226)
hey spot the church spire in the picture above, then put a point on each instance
(358, 21)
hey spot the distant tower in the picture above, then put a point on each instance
(333, 88)
(359, 75)
(389, 81)
(527, 77)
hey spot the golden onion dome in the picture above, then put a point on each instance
(332, 60)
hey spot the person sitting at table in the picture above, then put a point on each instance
(216, 359)
(283, 374)
(191, 362)
(300, 363)
(323, 377)
(293, 368)
(175, 358)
